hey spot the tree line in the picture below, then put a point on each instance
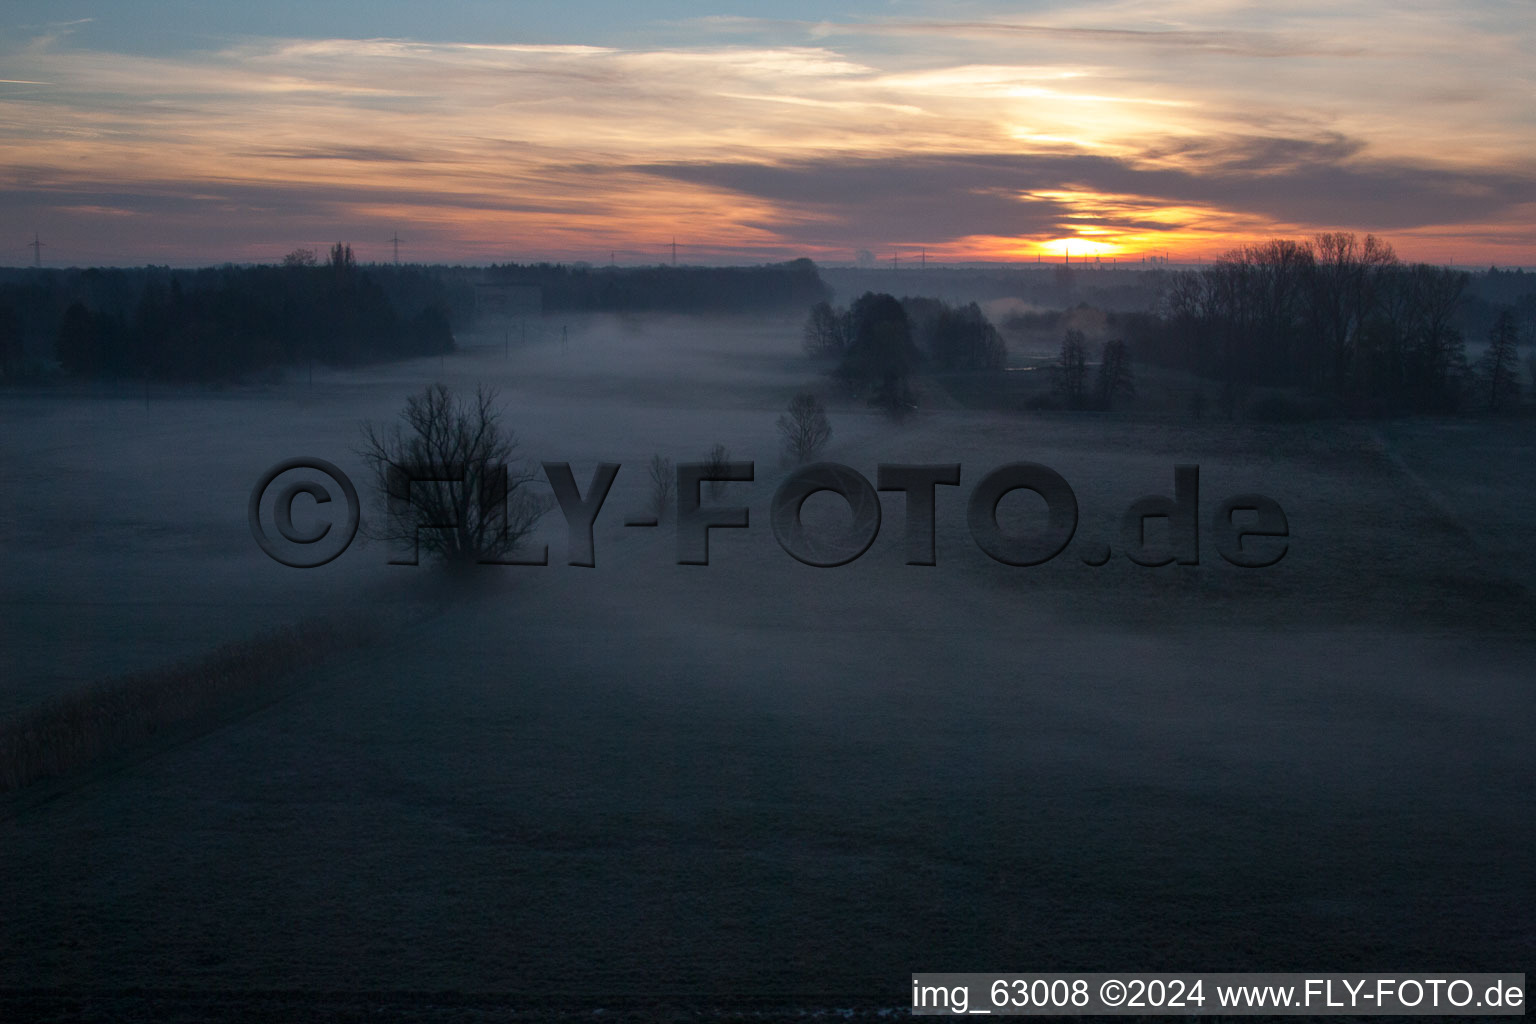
(1336, 315)
(879, 341)
(1112, 381)
(228, 322)
(581, 288)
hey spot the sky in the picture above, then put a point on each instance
(159, 131)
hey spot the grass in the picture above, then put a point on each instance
(116, 717)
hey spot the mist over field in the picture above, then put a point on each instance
(759, 784)
(659, 512)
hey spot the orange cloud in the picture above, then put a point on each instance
(778, 147)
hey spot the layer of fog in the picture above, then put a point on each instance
(760, 774)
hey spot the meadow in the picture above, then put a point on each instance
(758, 787)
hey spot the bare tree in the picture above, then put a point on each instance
(804, 427)
(1114, 379)
(715, 466)
(300, 257)
(1335, 313)
(1071, 371)
(1440, 353)
(663, 480)
(826, 331)
(1499, 370)
(445, 479)
(1343, 286)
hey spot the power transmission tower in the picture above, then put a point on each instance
(674, 252)
(396, 240)
(923, 256)
(37, 250)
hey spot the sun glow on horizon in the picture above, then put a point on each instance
(1066, 139)
(1078, 246)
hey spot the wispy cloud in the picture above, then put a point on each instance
(911, 200)
(1230, 43)
(973, 137)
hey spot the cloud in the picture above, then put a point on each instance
(1105, 118)
(1264, 153)
(367, 154)
(52, 33)
(937, 198)
(1227, 43)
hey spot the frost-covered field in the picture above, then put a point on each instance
(759, 779)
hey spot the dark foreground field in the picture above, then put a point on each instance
(759, 788)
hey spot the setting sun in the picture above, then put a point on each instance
(1073, 248)
(706, 510)
(1071, 135)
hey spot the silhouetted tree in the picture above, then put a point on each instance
(300, 258)
(222, 323)
(341, 258)
(1070, 374)
(10, 342)
(1333, 314)
(715, 464)
(663, 483)
(1343, 287)
(1499, 369)
(826, 331)
(880, 353)
(1435, 353)
(445, 479)
(1114, 379)
(783, 286)
(961, 338)
(804, 427)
